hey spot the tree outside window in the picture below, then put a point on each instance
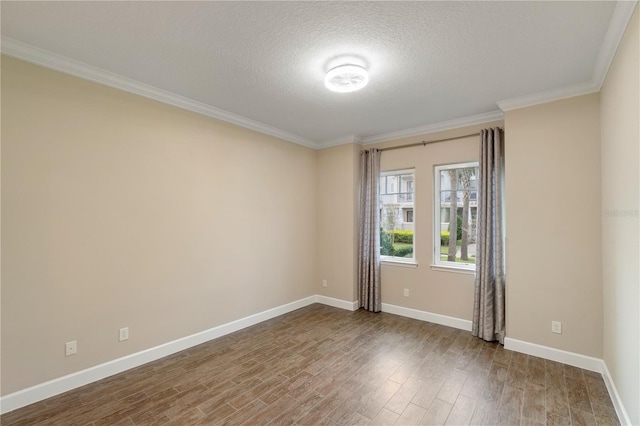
(456, 201)
(396, 215)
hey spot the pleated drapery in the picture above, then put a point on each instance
(369, 235)
(489, 297)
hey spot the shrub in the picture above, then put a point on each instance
(444, 235)
(405, 237)
(386, 244)
(459, 228)
(404, 251)
(444, 238)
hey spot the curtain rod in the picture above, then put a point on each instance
(423, 143)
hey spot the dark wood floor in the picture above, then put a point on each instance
(321, 365)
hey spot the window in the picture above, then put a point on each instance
(408, 215)
(455, 213)
(396, 215)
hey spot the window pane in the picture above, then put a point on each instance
(397, 215)
(392, 184)
(445, 183)
(408, 186)
(457, 215)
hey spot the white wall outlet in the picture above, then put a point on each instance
(70, 348)
(324, 283)
(124, 334)
(406, 292)
(556, 327)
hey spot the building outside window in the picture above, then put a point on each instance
(408, 215)
(396, 215)
(455, 213)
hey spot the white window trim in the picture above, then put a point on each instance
(407, 262)
(457, 269)
(437, 264)
(396, 261)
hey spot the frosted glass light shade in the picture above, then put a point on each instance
(346, 78)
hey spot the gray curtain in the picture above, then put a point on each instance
(489, 298)
(369, 235)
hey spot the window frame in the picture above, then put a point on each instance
(437, 208)
(407, 213)
(394, 260)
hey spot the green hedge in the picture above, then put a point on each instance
(404, 251)
(405, 237)
(400, 246)
(444, 238)
(444, 235)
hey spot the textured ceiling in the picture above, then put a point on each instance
(264, 62)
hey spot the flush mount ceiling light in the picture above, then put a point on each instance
(346, 78)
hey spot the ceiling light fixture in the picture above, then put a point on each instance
(346, 78)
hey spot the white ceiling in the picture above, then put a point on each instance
(432, 65)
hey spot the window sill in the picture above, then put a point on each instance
(453, 269)
(409, 263)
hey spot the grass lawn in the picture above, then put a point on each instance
(444, 251)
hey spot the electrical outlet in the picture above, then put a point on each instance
(70, 348)
(406, 292)
(124, 334)
(556, 327)
(324, 283)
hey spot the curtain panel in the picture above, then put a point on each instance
(489, 287)
(369, 232)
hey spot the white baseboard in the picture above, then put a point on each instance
(577, 360)
(615, 397)
(571, 358)
(337, 303)
(66, 383)
(427, 316)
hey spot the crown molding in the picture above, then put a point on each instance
(615, 32)
(436, 127)
(35, 55)
(548, 96)
(617, 27)
(340, 141)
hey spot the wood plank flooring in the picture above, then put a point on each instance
(326, 366)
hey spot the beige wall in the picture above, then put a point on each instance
(620, 118)
(553, 216)
(436, 291)
(121, 211)
(337, 221)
